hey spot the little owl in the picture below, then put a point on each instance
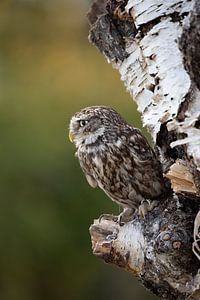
(117, 158)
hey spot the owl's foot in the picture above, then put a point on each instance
(146, 206)
(108, 217)
(126, 216)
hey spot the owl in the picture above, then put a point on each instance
(117, 158)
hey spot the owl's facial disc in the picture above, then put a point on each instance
(75, 127)
(85, 130)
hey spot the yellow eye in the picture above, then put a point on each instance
(82, 123)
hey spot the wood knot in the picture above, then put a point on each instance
(171, 240)
(177, 244)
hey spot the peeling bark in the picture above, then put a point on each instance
(155, 45)
(181, 179)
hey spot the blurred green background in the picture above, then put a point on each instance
(48, 71)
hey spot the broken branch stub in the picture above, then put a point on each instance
(157, 249)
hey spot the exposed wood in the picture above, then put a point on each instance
(181, 179)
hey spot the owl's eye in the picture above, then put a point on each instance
(82, 123)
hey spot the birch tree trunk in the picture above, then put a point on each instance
(155, 45)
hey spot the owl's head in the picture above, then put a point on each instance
(92, 122)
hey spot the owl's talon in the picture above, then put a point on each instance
(126, 216)
(119, 220)
(145, 207)
(108, 217)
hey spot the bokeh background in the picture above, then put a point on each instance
(48, 71)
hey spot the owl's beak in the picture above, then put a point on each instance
(71, 137)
